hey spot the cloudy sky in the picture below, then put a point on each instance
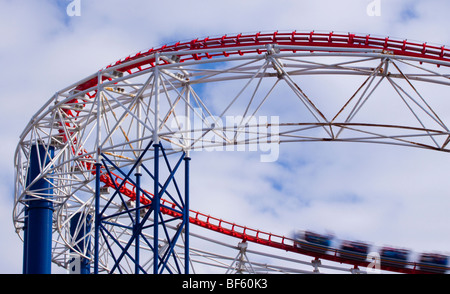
(400, 198)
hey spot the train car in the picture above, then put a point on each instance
(433, 263)
(354, 250)
(394, 257)
(312, 241)
(358, 251)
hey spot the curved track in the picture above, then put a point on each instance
(159, 93)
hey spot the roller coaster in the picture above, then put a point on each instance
(102, 169)
(363, 254)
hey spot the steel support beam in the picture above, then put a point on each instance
(150, 216)
(39, 213)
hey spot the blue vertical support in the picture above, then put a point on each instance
(156, 208)
(149, 213)
(137, 221)
(97, 216)
(79, 231)
(39, 213)
(186, 214)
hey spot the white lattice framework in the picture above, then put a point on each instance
(246, 91)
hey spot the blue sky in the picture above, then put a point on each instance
(44, 50)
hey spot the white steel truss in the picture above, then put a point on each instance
(307, 94)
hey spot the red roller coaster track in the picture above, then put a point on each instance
(226, 46)
(240, 44)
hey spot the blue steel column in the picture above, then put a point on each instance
(82, 242)
(39, 215)
(187, 160)
(156, 208)
(186, 215)
(97, 215)
(137, 221)
(156, 196)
